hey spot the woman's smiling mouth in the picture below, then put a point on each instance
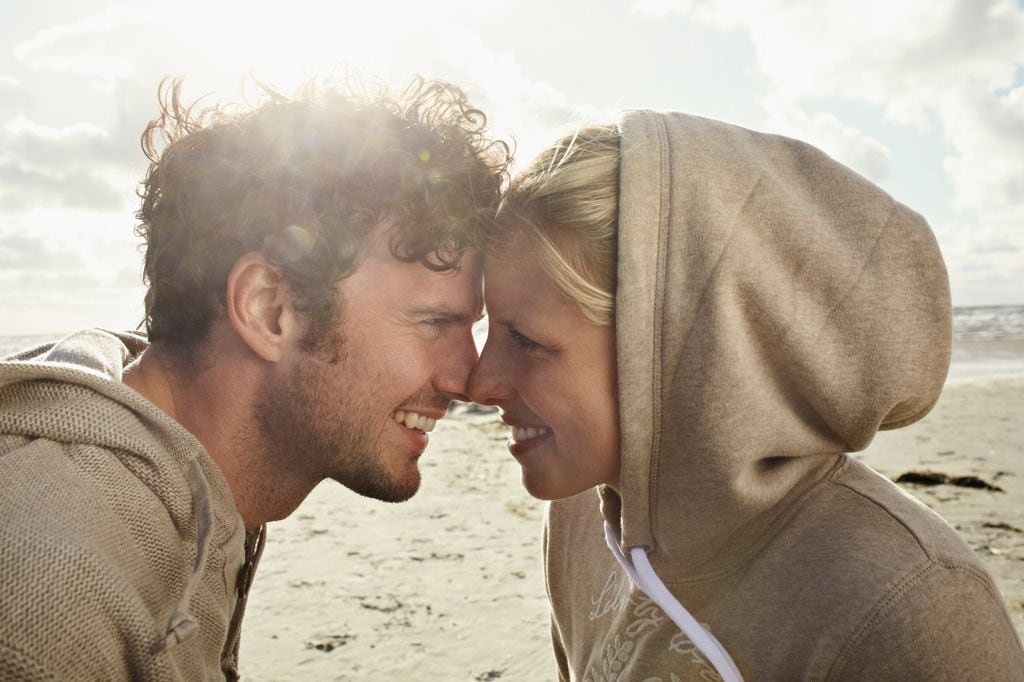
(521, 434)
(525, 438)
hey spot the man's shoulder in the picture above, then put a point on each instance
(88, 548)
(72, 493)
(76, 506)
(99, 547)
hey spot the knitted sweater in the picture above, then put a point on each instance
(123, 552)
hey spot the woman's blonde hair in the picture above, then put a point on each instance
(566, 204)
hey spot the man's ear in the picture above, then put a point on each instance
(260, 307)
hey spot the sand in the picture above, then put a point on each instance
(449, 586)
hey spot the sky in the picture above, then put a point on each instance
(923, 97)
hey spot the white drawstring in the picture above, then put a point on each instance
(643, 576)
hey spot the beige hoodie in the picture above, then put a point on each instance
(774, 310)
(123, 552)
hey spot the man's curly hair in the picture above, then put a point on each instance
(304, 180)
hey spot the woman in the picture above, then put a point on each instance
(700, 320)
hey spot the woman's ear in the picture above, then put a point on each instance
(259, 307)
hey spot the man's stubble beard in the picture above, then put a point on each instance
(308, 421)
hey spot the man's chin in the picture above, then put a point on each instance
(386, 489)
(397, 494)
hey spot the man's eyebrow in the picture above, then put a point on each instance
(447, 312)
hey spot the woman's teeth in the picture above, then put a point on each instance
(414, 420)
(519, 434)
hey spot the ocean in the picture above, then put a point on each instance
(990, 323)
(988, 342)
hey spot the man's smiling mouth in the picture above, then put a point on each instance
(414, 420)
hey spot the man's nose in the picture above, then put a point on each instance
(489, 384)
(455, 368)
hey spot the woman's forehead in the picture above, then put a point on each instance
(517, 287)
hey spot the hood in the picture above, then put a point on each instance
(773, 309)
(72, 391)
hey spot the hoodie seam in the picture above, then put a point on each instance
(657, 361)
(868, 260)
(882, 607)
(725, 248)
(920, 543)
(896, 595)
(705, 287)
(875, 503)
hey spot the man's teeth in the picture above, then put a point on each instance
(519, 434)
(414, 420)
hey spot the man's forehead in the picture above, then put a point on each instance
(413, 287)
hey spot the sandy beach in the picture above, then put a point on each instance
(449, 586)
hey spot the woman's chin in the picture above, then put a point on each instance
(547, 489)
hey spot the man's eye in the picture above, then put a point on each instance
(521, 340)
(437, 322)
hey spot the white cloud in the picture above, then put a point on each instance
(84, 47)
(26, 252)
(76, 165)
(123, 53)
(949, 66)
(60, 240)
(13, 96)
(51, 307)
(217, 54)
(79, 142)
(905, 57)
(659, 8)
(23, 186)
(902, 56)
(533, 111)
(849, 145)
(65, 269)
(986, 255)
(986, 134)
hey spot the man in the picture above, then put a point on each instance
(311, 294)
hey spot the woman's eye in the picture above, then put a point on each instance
(520, 340)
